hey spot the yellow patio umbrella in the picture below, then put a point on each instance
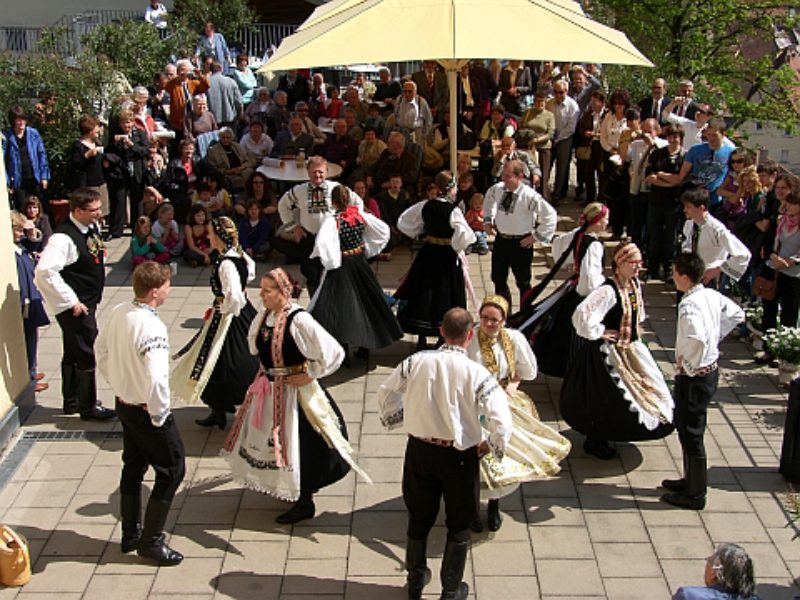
(345, 32)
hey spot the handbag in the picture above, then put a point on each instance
(766, 284)
(15, 559)
(583, 152)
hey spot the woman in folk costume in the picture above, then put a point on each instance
(535, 449)
(289, 438)
(548, 324)
(435, 282)
(349, 303)
(614, 390)
(216, 365)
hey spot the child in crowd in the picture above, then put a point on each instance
(254, 231)
(370, 204)
(32, 208)
(196, 236)
(215, 199)
(144, 246)
(705, 317)
(392, 202)
(466, 190)
(474, 218)
(165, 230)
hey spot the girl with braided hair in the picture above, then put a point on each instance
(535, 449)
(216, 365)
(614, 389)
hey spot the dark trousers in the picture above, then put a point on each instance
(692, 395)
(545, 156)
(562, 155)
(637, 219)
(431, 472)
(591, 168)
(508, 254)
(118, 205)
(661, 231)
(31, 344)
(78, 335)
(787, 296)
(145, 445)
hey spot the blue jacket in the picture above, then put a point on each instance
(36, 151)
(254, 237)
(706, 593)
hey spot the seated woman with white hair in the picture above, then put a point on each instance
(729, 575)
(231, 160)
(257, 110)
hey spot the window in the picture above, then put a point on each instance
(784, 156)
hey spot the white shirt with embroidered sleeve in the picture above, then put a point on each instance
(442, 394)
(132, 351)
(529, 213)
(526, 365)
(234, 296)
(588, 316)
(327, 245)
(60, 252)
(293, 207)
(591, 270)
(705, 317)
(410, 221)
(718, 247)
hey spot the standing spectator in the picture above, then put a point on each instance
(224, 97)
(86, 161)
(566, 112)
(27, 169)
(431, 84)
(212, 44)
(181, 90)
(124, 164)
(71, 276)
(652, 106)
(183, 173)
(244, 78)
(588, 151)
(694, 127)
(412, 114)
(515, 84)
(317, 95)
(582, 85)
(543, 125)
(33, 313)
(614, 123)
(488, 90)
(637, 153)
(386, 90)
(156, 14)
(730, 190)
(296, 87)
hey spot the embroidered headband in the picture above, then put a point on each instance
(280, 277)
(496, 301)
(597, 217)
(626, 253)
(226, 231)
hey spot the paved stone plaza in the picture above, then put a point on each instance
(597, 530)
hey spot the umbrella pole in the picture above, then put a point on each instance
(451, 81)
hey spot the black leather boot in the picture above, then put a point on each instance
(677, 485)
(90, 408)
(303, 509)
(419, 575)
(694, 497)
(216, 418)
(476, 526)
(151, 544)
(69, 389)
(493, 517)
(130, 506)
(453, 561)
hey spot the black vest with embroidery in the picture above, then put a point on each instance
(241, 269)
(436, 216)
(291, 353)
(613, 318)
(350, 236)
(87, 275)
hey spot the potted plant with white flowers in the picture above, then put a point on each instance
(784, 344)
(755, 325)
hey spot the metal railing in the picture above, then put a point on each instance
(260, 37)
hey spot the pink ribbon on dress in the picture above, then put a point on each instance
(259, 389)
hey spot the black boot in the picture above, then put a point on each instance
(419, 575)
(677, 485)
(151, 544)
(694, 497)
(493, 518)
(303, 509)
(476, 526)
(90, 408)
(453, 561)
(130, 506)
(69, 389)
(216, 417)
(599, 448)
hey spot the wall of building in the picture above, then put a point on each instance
(773, 143)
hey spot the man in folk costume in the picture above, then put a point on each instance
(705, 317)
(440, 396)
(133, 354)
(70, 275)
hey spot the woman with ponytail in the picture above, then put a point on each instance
(216, 365)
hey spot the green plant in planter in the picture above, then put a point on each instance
(784, 344)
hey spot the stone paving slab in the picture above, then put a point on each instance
(597, 530)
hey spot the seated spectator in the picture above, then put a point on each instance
(258, 188)
(729, 575)
(354, 101)
(254, 231)
(156, 14)
(256, 143)
(166, 231)
(386, 90)
(375, 119)
(474, 217)
(354, 128)
(244, 78)
(230, 160)
(278, 115)
(333, 105)
(215, 199)
(258, 109)
(466, 190)
(302, 110)
(197, 237)
(508, 151)
(203, 120)
(32, 209)
(369, 149)
(392, 201)
(290, 142)
(152, 199)
(395, 160)
(144, 246)
(341, 149)
(317, 97)
(370, 204)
